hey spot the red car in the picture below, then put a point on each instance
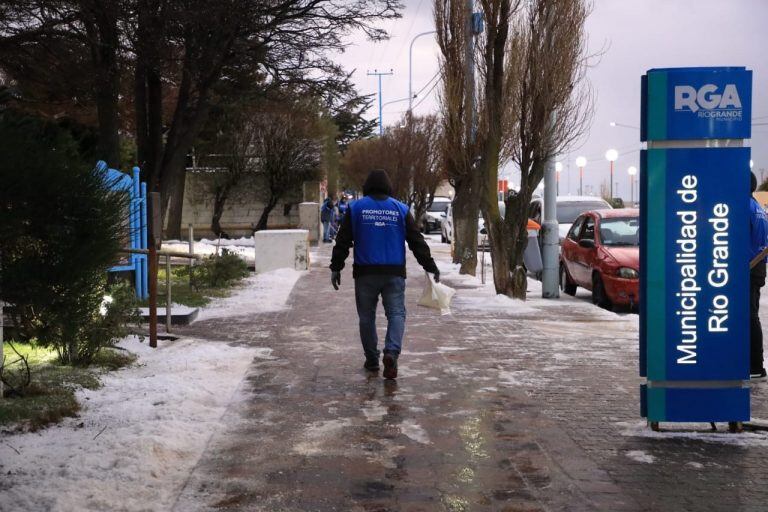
(601, 253)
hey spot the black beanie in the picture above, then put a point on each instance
(754, 181)
(377, 182)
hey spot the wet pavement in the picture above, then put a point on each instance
(534, 409)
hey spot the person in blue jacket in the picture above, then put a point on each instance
(326, 216)
(379, 227)
(343, 206)
(758, 231)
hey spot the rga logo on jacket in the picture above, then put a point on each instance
(709, 102)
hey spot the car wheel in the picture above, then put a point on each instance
(568, 287)
(599, 297)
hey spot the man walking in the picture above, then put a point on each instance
(379, 226)
(758, 231)
(326, 215)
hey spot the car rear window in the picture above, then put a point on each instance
(567, 212)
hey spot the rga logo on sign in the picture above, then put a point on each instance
(709, 102)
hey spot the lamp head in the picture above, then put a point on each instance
(632, 170)
(558, 167)
(611, 155)
(581, 161)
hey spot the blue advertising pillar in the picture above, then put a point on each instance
(694, 244)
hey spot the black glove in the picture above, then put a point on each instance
(436, 273)
(335, 279)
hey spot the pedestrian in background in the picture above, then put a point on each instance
(758, 231)
(379, 227)
(326, 215)
(343, 206)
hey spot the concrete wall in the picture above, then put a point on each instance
(243, 207)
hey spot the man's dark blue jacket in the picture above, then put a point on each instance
(379, 227)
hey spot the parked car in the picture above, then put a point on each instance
(568, 208)
(601, 253)
(432, 219)
(446, 227)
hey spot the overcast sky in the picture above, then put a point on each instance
(638, 35)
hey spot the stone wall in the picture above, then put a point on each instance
(242, 209)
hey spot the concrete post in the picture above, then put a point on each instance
(309, 219)
(551, 245)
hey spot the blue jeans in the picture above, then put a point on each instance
(392, 291)
(326, 229)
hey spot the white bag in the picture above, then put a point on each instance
(437, 296)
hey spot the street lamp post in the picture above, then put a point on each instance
(632, 171)
(581, 162)
(410, 68)
(558, 170)
(611, 155)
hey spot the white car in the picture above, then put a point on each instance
(435, 215)
(568, 209)
(446, 229)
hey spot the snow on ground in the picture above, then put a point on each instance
(641, 456)
(473, 294)
(137, 438)
(140, 435)
(695, 431)
(243, 247)
(260, 293)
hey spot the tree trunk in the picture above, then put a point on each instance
(268, 207)
(187, 120)
(174, 179)
(219, 200)
(149, 93)
(516, 221)
(465, 210)
(101, 27)
(495, 226)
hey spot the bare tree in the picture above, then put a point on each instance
(536, 103)
(458, 146)
(288, 155)
(227, 150)
(423, 143)
(410, 153)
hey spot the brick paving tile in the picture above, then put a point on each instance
(494, 411)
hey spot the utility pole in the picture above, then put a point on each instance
(380, 74)
(474, 27)
(550, 248)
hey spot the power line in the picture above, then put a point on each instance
(426, 95)
(410, 29)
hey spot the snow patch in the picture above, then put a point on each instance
(414, 431)
(695, 432)
(641, 456)
(317, 434)
(138, 437)
(261, 293)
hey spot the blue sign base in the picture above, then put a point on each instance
(695, 404)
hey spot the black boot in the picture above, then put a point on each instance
(371, 363)
(390, 365)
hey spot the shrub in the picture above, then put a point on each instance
(217, 271)
(61, 228)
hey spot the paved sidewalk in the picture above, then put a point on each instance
(495, 410)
